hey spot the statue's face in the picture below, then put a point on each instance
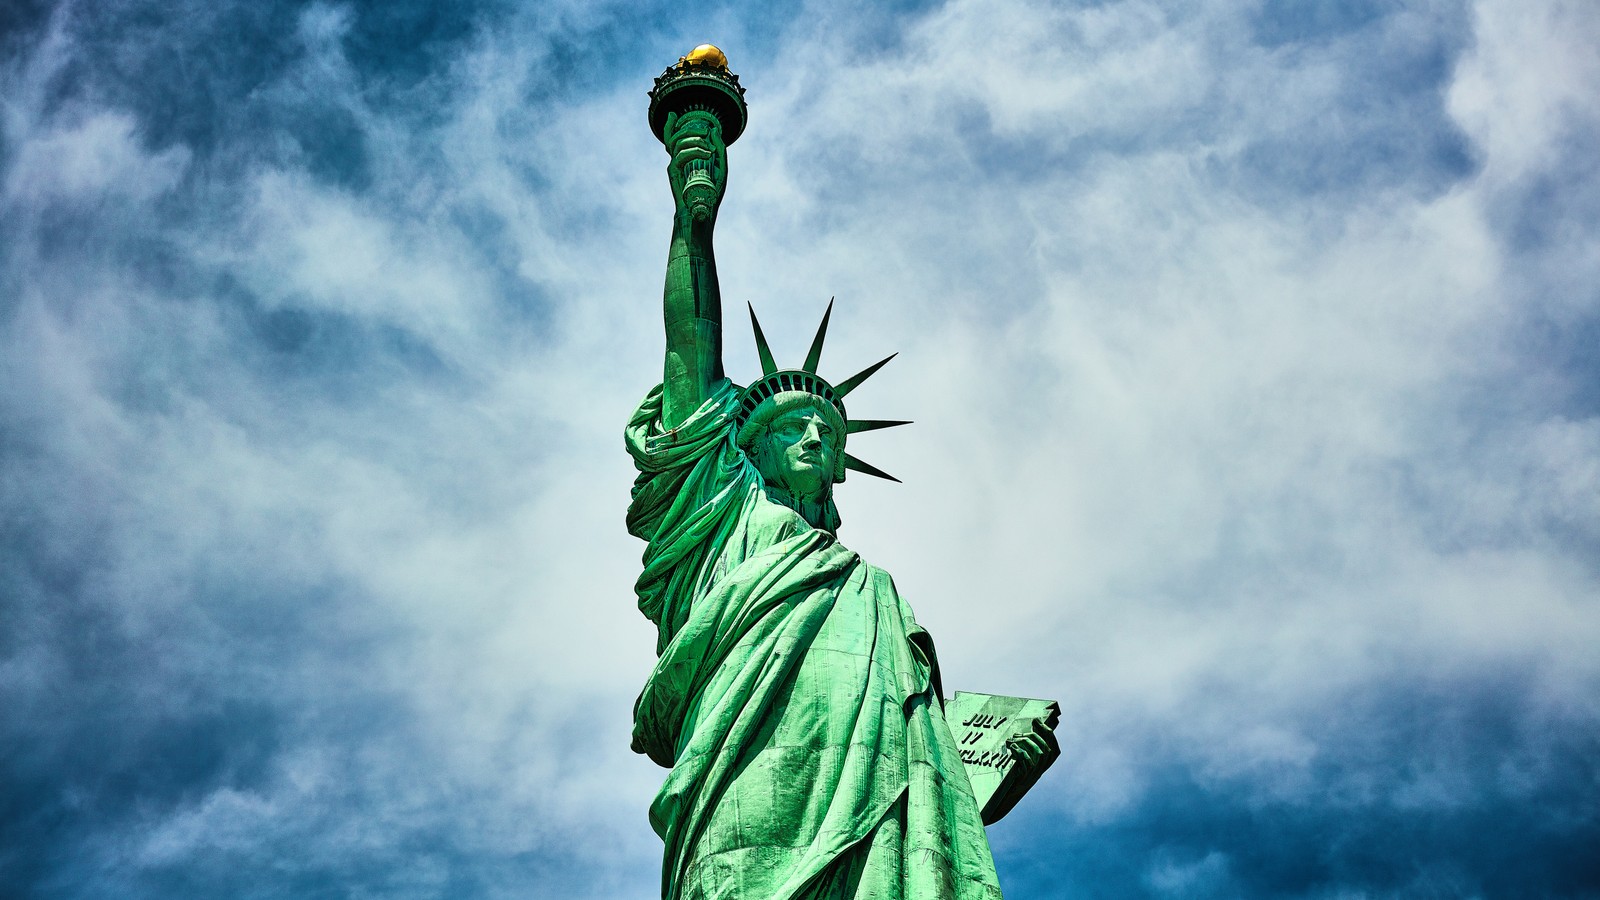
(799, 452)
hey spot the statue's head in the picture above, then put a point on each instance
(796, 441)
(793, 424)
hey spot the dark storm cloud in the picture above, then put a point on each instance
(205, 75)
(1421, 786)
(167, 651)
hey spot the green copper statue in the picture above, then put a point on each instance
(796, 700)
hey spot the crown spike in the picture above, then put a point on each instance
(815, 355)
(855, 380)
(851, 462)
(856, 426)
(768, 364)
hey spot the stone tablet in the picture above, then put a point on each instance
(982, 724)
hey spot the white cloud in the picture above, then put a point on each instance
(89, 161)
(1532, 74)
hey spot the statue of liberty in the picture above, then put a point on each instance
(796, 700)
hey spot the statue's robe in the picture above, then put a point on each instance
(796, 700)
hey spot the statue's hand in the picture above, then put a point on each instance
(1034, 750)
(698, 169)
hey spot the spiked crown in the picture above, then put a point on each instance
(765, 397)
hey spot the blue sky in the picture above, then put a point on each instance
(1252, 349)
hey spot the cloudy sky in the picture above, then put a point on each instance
(1254, 349)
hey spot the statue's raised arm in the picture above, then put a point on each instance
(691, 302)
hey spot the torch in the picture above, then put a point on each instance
(699, 80)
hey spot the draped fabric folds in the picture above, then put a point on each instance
(795, 699)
